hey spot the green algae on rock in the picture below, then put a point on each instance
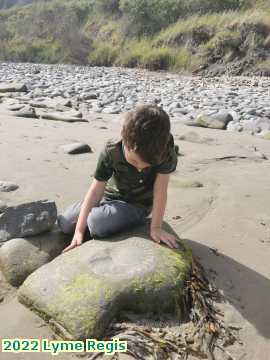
(82, 291)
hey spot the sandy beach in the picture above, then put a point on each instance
(226, 222)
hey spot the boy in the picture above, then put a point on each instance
(130, 181)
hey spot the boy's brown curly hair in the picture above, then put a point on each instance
(146, 130)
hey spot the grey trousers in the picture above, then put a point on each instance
(109, 217)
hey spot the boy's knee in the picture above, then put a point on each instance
(66, 226)
(68, 219)
(97, 223)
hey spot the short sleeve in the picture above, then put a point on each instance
(104, 168)
(170, 163)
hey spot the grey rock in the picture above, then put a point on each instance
(6, 186)
(263, 124)
(22, 256)
(251, 111)
(90, 96)
(250, 126)
(16, 107)
(76, 148)
(27, 219)
(83, 290)
(215, 121)
(112, 110)
(27, 112)
(265, 134)
(234, 126)
(13, 87)
(52, 103)
(96, 109)
(62, 116)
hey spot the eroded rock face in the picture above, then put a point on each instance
(81, 291)
(22, 256)
(27, 219)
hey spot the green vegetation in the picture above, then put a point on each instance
(177, 35)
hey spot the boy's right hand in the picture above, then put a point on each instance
(76, 241)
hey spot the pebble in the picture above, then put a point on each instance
(6, 186)
(76, 148)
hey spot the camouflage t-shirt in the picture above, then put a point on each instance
(124, 181)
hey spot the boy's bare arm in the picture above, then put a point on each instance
(158, 211)
(92, 198)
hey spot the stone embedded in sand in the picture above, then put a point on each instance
(62, 116)
(27, 219)
(76, 148)
(84, 289)
(16, 107)
(89, 96)
(22, 256)
(265, 134)
(176, 148)
(215, 121)
(57, 103)
(112, 110)
(27, 111)
(13, 87)
(6, 186)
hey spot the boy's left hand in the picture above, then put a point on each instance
(158, 235)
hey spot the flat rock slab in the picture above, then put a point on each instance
(13, 87)
(76, 148)
(61, 116)
(6, 186)
(22, 256)
(26, 112)
(52, 103)
(16, 107)
(27, 219)
(80, 292)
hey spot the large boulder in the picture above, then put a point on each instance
(80, 292)
(22, 256)
(27, 219)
